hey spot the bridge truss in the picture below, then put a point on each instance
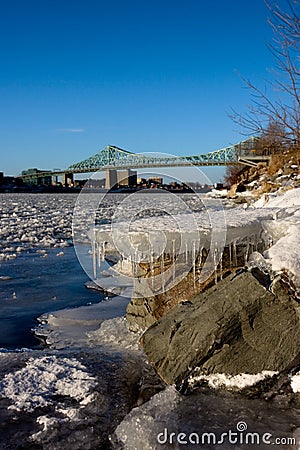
(112, 157)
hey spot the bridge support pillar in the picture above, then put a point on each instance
(55, 180)
(111, 178)
(68, 179)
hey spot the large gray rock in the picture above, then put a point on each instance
(146, 307)
(236, 326)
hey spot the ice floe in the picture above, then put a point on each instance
(34, 221)
(42, 378)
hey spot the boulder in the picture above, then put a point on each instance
(145, 306)
(232, 191)
(236, 326)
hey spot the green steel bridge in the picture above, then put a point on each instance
(112, 157)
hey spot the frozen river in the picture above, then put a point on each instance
(95, 396)
(39, 270)
(32, 285)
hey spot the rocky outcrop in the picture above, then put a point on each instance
(234, 327)
(282, 172)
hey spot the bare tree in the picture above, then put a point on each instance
(232, 175)
(280, 112)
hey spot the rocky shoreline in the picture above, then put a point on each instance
(237, 326)
(247, 323)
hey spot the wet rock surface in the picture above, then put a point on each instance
(237, 326)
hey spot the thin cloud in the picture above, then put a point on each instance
(70, 130)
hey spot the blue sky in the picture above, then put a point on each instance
(147, 76)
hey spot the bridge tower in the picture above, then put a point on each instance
(111, 178)
(68, 179)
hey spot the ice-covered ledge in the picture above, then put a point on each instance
(179, 236)
(201, 243)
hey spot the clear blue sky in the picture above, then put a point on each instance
(147, 76)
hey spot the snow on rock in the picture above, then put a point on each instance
(279, 199)
(295, 382)
(42, 378)
(283, 254)
(231, 382)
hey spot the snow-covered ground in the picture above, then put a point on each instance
(284, 252)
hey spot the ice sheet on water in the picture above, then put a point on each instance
(69, 327)
(34, 221)
(115, 333)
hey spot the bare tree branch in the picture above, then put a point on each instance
(282, 106)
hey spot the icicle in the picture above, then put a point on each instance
(103, 250)
(199, 263)
(230, 255)
(131, 263)
(216, 265)
(234, 254)
(246, 254)
(194, 262)
(270, 241)
(94, 259)
(162, 271)
(221, 267)
(151, 261)
(162, 263)
(99, 255)
(152, 266)
(186, 253)
(135, 263)
(173, 259)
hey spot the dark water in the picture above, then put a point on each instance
(39, 285)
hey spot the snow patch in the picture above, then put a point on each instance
(222, 380)
(42, 378)
(284, 230)
(295, 382)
